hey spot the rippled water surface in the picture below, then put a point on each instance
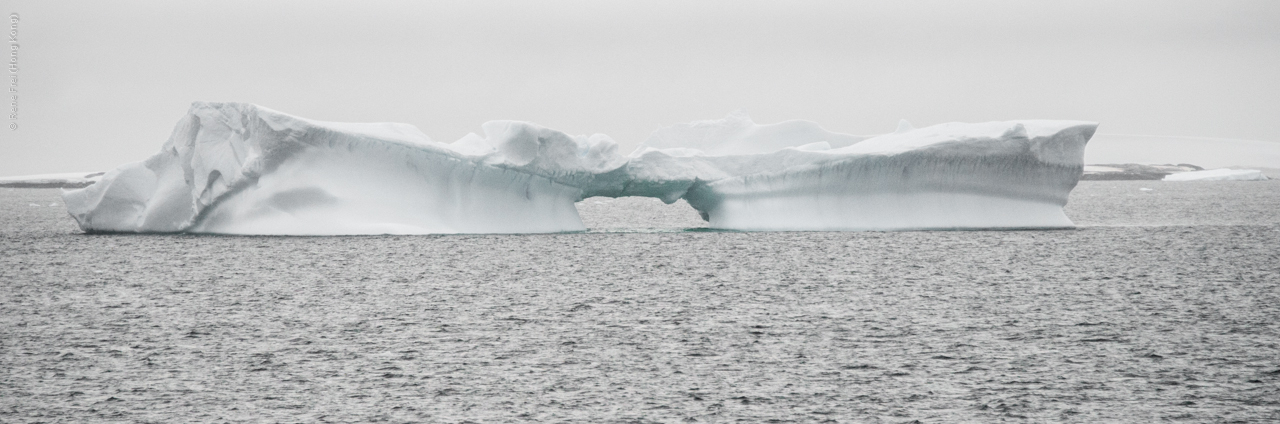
(1163, 306)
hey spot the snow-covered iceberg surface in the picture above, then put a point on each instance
(1223, 174)
(243, 169)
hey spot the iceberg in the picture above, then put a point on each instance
(1222, 174)
(737, 134)
(233, 168)
(1014, 174)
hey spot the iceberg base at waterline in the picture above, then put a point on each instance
(233, 168)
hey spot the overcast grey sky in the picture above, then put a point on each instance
(103, 83)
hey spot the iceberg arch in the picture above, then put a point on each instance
(234, 168)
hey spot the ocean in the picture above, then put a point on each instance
(1163, 305)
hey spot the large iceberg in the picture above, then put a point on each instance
(244, 169)
(234, 168)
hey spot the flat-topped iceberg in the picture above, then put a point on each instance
(1013, 174)
(243, 169)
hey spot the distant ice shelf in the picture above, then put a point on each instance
(233, 168)
(1133, 171)
(62, 180)
(1223, 174)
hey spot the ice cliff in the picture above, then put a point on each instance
(243, 169)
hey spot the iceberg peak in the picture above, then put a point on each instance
(903, 126)
(737, 134)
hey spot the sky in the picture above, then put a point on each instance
(101, 84)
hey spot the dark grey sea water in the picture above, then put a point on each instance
(1163, 306)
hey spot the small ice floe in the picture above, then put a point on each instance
(33, 204)
(1145, 189)
(53, 205)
